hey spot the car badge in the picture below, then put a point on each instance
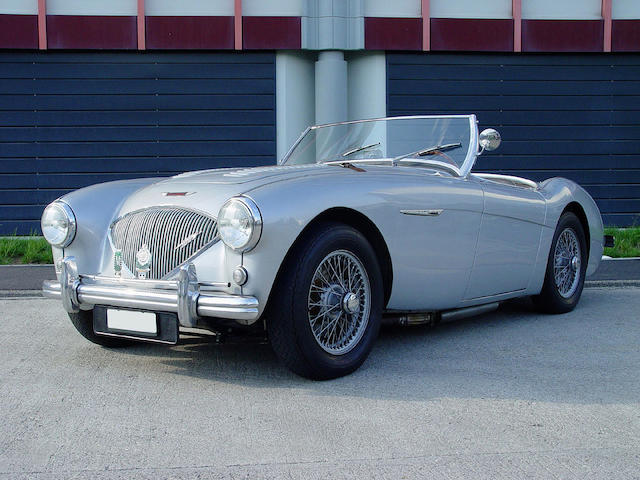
(177, 194)
(117, 263)
(186, 241)
(143, 261)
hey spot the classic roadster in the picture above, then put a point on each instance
(358, 221)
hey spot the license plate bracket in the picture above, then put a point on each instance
(166, 325)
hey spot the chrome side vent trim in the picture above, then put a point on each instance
(172, 234)
(434, 212)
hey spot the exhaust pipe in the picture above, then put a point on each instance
(433, 318)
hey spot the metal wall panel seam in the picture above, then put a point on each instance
(606, 16)
(426, 25)
(141, 21)
(516, 7)
(237, 24)
(42, 24)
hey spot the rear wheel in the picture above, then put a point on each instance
(83, 321)
(326, 309)
(566, 267)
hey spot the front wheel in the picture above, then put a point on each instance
(566, 267)
(326, 308)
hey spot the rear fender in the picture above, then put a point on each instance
(559, 194)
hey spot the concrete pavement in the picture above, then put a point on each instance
(512, 394)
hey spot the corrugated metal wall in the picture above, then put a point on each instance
(68, 120)
(575, 116)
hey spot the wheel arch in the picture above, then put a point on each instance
(563, 195)
(577, 209)
(358, 221)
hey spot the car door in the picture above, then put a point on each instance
(437, 218)
(508, 240)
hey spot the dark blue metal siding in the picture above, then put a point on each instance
(68, 120)
(575, 116)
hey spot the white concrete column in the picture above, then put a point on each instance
(331, 87)
(367, 85)
(295, 104)
(368, 91)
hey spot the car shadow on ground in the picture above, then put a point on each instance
(511, 353)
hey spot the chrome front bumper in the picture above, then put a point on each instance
(181, 296)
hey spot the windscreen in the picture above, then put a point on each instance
(439, 139)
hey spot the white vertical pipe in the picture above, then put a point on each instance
(331, 87)
(295, 105)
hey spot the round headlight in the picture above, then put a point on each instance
(58, 224)
(240, 224)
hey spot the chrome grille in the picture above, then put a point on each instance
(165, 231)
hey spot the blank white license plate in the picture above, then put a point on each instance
(131, 321)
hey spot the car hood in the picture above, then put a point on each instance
(235, 176)
(207, 190)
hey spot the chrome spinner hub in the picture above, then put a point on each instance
(351, 303)
(575, 263)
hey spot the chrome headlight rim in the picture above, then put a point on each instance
(256, 218)
(71, 221)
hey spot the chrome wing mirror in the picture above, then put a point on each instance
(488, 140)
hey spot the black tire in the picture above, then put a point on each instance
(289, 321)
(83, 321)
(551, 298)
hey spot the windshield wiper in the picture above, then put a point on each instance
(438, 148)
(359, 149)
(427, 151)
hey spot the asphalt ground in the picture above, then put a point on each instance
(511, 394)
(25, 277)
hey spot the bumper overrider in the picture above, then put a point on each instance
(182, 296)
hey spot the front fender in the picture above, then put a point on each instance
(95, 208)
(286, 211)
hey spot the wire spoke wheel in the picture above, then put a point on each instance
(328, 320)
(339, 302)
(566, 267)
(567, 262)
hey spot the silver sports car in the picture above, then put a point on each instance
(359, 221)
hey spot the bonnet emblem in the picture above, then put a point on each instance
(186, 241)
(143, 261)
(117, 263)
(177, 194)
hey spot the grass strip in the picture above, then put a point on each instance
(24, 250)
(627, 242)
(34, 249)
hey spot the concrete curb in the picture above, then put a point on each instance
(20, 294)
(612, 283)
(25, 277)
(622, 269)
(617, 272)
(7, 294)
